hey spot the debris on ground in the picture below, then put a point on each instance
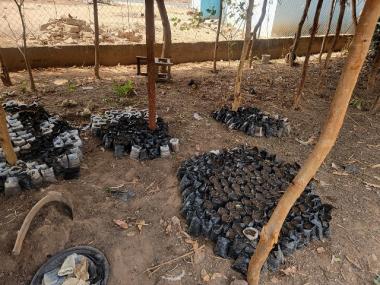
(253, 122)
(70, 30)
(121, 224)
(82, 265)
(69, 103)
(226, 193)
(121, 193)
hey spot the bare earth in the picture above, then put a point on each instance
(350, 256)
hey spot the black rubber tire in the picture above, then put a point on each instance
(96, 256)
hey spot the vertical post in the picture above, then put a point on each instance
(217, 35)
(96, 40)
(293, 48)
(150, 38)
(314, 29)
(5, 140)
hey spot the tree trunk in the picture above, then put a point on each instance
(332, 8)
(151, 68)
(342, 4)
(374, 71)
(376, 105)
(372, 76)
(5, 140)
(96, 40)
(24, 52)
(353, 13)
(4, 75)
(354, 62)
(293, 49)
(256, 28)
(243, 56)
(166, 47)
(314, 29)
(217, 36)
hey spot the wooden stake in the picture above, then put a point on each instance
(5, 140)
(324, 42)
(293, 50)
(166, 47)
(297, 97)
(150, 39)
(217, 36)
(4, 73)
(342, 4)
(244, 54)
(256, 28)
(338, 108)
(24, 51)
(353, 13)
(96, 40)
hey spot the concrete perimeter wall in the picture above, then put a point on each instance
(111, 55)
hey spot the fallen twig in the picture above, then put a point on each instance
(153, 269)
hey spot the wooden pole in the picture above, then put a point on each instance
(298, 95)
(338, 108)
(24, 51)
(244, 53)
(4, 73)
(332, 9)
(96, 40)
(150, 39)
(293, 48)
(217, 36)
(5, 140)
(256, 28)
(353, 13)
(342, 4)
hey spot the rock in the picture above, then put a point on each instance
(321, 250)
(86, 113)
(239, 282)
(74, 35)
(351, 169)
(176, 221)
(60, 82)
(67, 103)
(74, 22)
(71, 29)
(70, 41)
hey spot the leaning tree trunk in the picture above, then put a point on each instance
(96, 40)
(24, 52)
(244, 54)
(166, 47)
(4, 75)
(342, 4)
(293, 49)
(297, 97)
(332, 8)
(217, 36)
(357, 53)
(256, 28)
(353, 13)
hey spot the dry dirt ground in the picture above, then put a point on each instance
(350, 256)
